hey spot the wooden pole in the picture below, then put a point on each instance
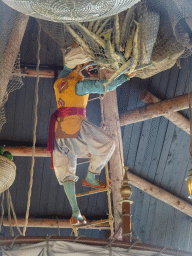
(155, 110)
(175, 117)
(160, 194)
(27, 151)
(39, 152)
(31, 72)
(51, 223)
(116, 162)
(43, 72)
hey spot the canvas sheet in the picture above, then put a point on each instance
(58, 248)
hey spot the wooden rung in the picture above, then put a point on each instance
(93, 223)
(91, 192)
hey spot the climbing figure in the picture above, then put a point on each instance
(71, 135)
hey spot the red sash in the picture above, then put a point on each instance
(65, 111)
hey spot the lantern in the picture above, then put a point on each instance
(189, 183)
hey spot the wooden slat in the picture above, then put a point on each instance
(91, 192)
(94, 223)
(160, 194)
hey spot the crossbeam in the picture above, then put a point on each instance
(160, 194)
(178, 119)
(162, 108)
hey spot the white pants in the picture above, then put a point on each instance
(91, 140)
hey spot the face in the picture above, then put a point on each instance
(90, 71)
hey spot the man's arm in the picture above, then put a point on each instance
(92, 86)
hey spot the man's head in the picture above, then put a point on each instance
(75, 57)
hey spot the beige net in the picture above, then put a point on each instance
(70, 10)
(142, 41)
(9, 56)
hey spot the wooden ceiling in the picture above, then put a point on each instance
(155, 150)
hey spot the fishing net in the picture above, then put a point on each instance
(70, 10)
(142, 41)
(9, 57)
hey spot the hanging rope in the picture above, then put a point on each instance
(9, 214)
(13, 211)
(75, 230)
(2, 210)
(109, 199)
(190, 117)
(34, 132)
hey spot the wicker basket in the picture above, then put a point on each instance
(7, 173)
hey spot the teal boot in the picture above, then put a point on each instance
(91, 179)
(69, 188)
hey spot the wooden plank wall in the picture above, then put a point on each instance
(158, 151)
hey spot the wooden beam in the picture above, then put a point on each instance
(11, 50)
(51, 223)
(39, 152)
(160, 194)
(31, 72)
(27, 151)
(175, 117)
(116, 162)
(49, 72)
(155, 110)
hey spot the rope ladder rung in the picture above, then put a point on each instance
(91, 192)
(93, 223)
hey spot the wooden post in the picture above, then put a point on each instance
(160, 194)
(155, 110)
(175, 117)
(116, 162)
(126, 209)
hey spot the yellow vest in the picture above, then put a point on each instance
(68, 126)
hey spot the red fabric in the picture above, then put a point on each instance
(70, 111)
